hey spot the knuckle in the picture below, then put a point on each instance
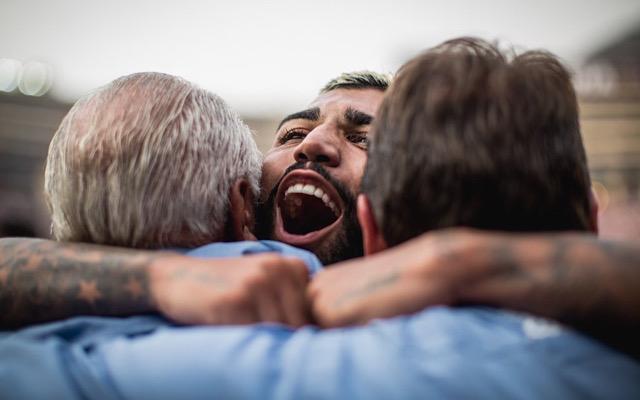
(271, 260)
(313, 291)
(256, 277)
(239, 298)
(250, 284)
(268, 268)
(300, 269)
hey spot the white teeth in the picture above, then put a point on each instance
(313, 191)
(308, 189)
(333, 207)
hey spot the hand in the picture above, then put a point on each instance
(257, 288)
(423, 272)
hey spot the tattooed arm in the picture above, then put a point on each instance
(592, 285)
(42, 281)
(581, 281)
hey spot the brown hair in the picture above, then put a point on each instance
(468, 136)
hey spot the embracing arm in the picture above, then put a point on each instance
(42, 280)
(589, 284)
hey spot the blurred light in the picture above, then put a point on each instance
(10, 71)
(602, 195)
(36, 79)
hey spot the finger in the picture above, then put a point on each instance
(293, 301)
(298, 269)
(236, 310)
(267, 304)
(294, 275)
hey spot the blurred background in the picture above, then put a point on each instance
(269, 58)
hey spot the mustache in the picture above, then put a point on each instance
(348, 198)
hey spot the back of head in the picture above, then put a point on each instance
(469, 137)
(147, 161)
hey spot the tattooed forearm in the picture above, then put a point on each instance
(590, 284)
(608, 276)
(43, 280)
(376, 284)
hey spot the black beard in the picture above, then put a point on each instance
(345, 243)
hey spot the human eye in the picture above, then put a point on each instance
(295, 134)
(360, 139)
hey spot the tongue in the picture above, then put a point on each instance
(302, 213)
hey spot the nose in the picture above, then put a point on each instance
(321, 146)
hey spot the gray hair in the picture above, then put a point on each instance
(359, 80)
(147, 161)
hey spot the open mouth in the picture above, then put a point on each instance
(308, 208)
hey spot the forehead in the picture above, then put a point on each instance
(336, 101)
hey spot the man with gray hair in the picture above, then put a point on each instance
(152, 161)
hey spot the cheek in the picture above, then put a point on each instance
(358, 161)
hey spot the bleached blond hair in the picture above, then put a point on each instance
(147, 161)
(359, 80)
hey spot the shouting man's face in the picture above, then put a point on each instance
(311, 175)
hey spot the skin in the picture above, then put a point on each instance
(80, 279)
(325, 139)
(326, 133)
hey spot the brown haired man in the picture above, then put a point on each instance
(470, 138)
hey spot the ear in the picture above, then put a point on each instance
(372, 239)
(241, 213)
(593, 217)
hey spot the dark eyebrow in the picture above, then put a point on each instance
(356, 117)
(312, 114)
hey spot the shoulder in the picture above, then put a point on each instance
(287, 250)
(518, 354)
(238, 249)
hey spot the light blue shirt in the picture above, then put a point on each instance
(237, 249)
(461, 353)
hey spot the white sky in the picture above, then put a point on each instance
(271, 57)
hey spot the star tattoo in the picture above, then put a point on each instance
(134, 288)
(89, 292)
